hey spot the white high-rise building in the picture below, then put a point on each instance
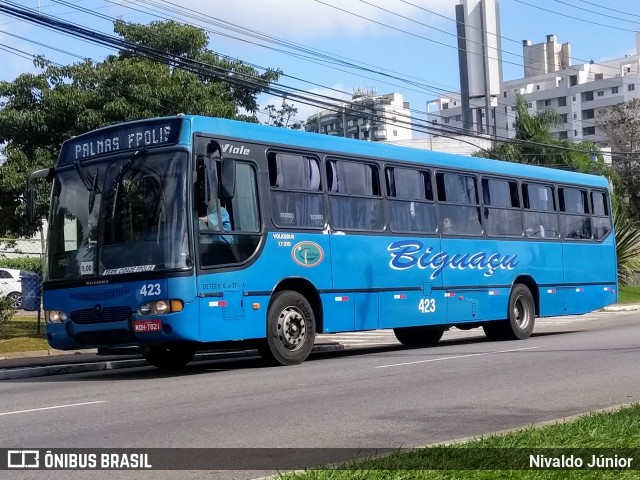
(582, 94)
(367, 116)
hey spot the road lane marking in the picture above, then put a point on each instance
(455, 356)
(51, 408)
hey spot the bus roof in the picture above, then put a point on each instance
(252, 132)
(328, 143)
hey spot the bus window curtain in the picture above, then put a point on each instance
(352, 179)
(296, 208)
(408, 187)
(245, 203)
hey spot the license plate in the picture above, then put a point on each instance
(145, 326)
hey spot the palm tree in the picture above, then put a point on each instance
(533, 142)
(627, 232)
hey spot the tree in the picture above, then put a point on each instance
(282, 117)
(622, 127)
(535, 144)
(40, 111)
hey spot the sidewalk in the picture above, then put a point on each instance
(622, 307)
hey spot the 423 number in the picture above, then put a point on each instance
(150, 289)
(427, 305)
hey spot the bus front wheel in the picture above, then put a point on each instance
(291, 330)
(418, 336)
(521, 317)
(169, 356)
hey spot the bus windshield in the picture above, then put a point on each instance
(137, 215)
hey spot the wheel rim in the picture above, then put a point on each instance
(16, 301)
(522, 312)
(292, 328)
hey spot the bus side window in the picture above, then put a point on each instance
(600, 220)
(217, 247)
(296, 191)
(458, 202)
(574, 218)
(411, 207)
(540, 217)
(355, 200)
(502, 207)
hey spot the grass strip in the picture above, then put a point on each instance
(20, 334)
(593, 434)
(629, 294)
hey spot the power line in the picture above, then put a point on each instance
(231, 77)
(499, 103)
(574, 18)
(255, 66)
(226, 24)
(71, 54)
(311, 54)
(597, 13)
(608, 7)
(17, 52)
(519, 42)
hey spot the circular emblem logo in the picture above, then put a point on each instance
(307, 254)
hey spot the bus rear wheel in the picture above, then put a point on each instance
(521, 317)
(418, 336)
(291, 330)
(169, 357)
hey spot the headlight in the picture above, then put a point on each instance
(146, 309)
(54, 316)
(161, 307)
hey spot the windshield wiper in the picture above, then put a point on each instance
(90, 181)
(138, 154)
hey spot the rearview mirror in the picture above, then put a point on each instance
(44, 173)
(201, 186)
(227, 179)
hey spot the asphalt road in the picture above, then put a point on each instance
(384, 396)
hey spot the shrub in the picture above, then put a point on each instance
(627, 232)
(6, 312)
(31, 264)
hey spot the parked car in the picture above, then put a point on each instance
(11, 285)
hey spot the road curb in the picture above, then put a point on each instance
(97, 366)
(44, 353)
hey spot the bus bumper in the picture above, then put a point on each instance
(174, 327)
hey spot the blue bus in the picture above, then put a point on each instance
(185, 233)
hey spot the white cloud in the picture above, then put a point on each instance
(310, 19)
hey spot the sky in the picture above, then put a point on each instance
(413, 41)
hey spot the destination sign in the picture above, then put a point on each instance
(156, 133)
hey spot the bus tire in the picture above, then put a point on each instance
(418, 336)
(521, 317)
(169, 357)
(291, 329)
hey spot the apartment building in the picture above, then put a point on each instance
(367, 116)
(581, 94)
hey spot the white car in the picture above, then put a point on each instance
(11, 286)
